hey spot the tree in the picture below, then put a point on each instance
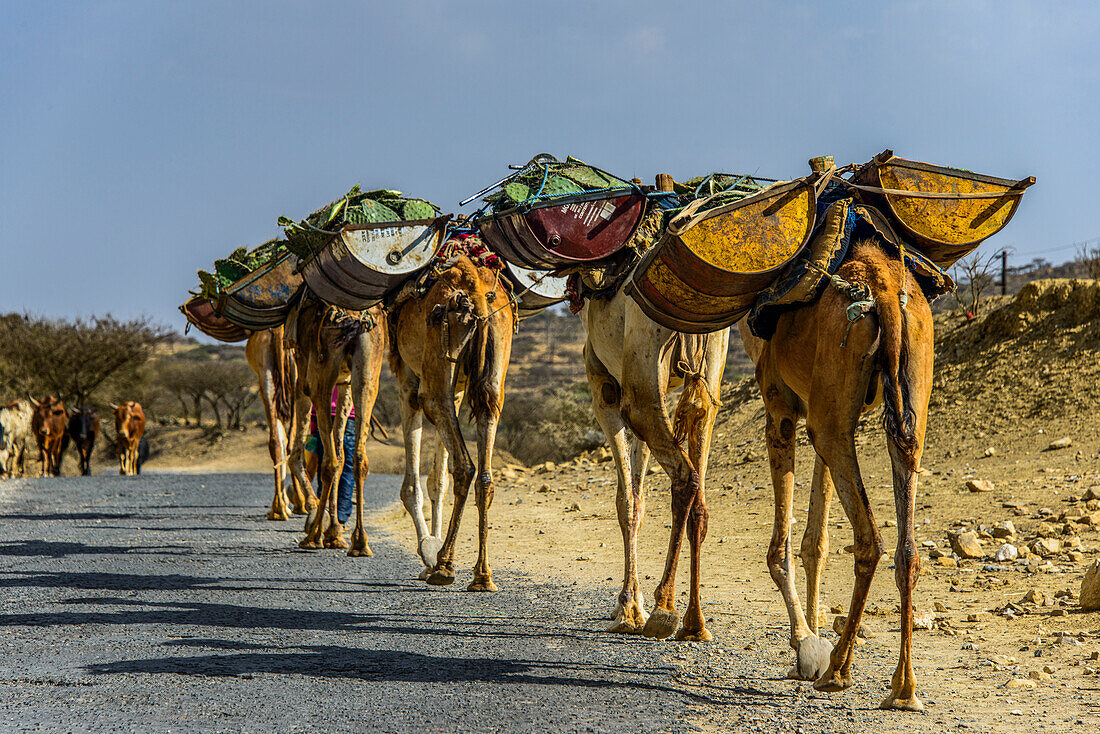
(976, 279)
(227, 386)
(1088, 254)
(72, 359)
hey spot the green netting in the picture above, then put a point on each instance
(726, 188)
(240, 263)
(545, 177)
(356, 207)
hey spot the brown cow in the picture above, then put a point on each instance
(129, 428)
(48, 427)
(83, 430)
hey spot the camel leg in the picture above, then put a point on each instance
(906, 459)
(699, 438)
(365, 370)
(483, 490)
(276, 443)
(836, 445)
(412, 495)
(334, 533)
(296, 460)
(441, 411)
(628, 616)
(321, 385)
(438, 479)
(643, 409)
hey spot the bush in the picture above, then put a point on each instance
(552, 424)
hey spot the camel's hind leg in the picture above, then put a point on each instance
(296, 458)
(483, 489)
(643, 409)
(365, 370)
(334, 533)
(629, 616)
(834, 442)
(321, 385)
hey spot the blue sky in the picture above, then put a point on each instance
(140, 140)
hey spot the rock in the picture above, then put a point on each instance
(545, 489)
(1072, 542)
(1063, 443)
(940, 607)
(508, 473)
(1090, 588)
(947, 562)
(1005, 530)
(1039, 675)
(966, 545)
(549, 466)
(924, 621)
(1092, 493)
(863, 631)
(1046, 547)
(1092, 519)
(1006, 552)
(1035, 596)
(979, 485)
(1021, 683)
(574, 508)
(989, 452)
(978, 617)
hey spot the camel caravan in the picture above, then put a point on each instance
(827, 279)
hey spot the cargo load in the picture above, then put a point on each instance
(253, 289)
(360, 247)
(200, 313)
(550, 214)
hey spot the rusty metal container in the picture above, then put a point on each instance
(566, 230)
(705, 277)
(536, 290)
(947, 212)
(200, 313)
(363, 262)
(263, 298)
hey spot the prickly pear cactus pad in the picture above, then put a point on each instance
(240, 263)
(545, 178)
(356, 207)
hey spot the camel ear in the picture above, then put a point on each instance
(34, 402)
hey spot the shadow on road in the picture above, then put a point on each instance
(66, 516)
(330, 661)
(58, 549)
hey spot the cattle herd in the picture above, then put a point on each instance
(47, 424)
(828, 279)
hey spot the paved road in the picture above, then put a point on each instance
(166, 603)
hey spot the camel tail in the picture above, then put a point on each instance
(899, 418)
(691, 409)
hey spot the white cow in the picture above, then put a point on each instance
(15, 432)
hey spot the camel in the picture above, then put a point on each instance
(274, 367)
(331, 345)
(814, 368)
(632, 364)
(452, 342)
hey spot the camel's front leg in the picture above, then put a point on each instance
(628, 616)
(437, 401)
(486, 438)
(296, 460)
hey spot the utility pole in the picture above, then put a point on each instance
(1004, 272)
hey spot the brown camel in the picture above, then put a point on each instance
(453, 341)
(331, 346)
(814, 368)
(273, 364)
(632, 363)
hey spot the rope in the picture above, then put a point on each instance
(936, 194)
(863, 302)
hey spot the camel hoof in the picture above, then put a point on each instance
(629, 620)
(832, 682)
(429, 550)
(485, 584)
(273, 515)
(335, 541)
(360, 551)
(424, 574)
(441, 578)
(811, 659)
(309, 544)
(893, 703)
(701, 636)
(661, 624)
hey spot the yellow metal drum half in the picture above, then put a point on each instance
(943, 226)
(706, 276)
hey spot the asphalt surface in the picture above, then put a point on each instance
(167, 603)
